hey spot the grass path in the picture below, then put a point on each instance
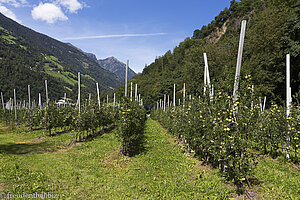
(95, 169)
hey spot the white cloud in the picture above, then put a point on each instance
(114, 36)
(14, 3)
(48, 12)
(71, 5)
(8, 13)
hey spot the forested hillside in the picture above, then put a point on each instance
(29, 58)
(273, 30)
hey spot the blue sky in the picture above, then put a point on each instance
(137, 30)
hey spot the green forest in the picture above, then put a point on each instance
(30, 58)
(273, 30)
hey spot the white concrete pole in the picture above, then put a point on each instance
(252, 89)
(90, 96)
(130, 91)
(288, 100)
(183, 93)
(107, 100)
(260, 105)
(239, 60)
(79, 134)
(2, 100)
(264, 105)
(29, 105)
(65, 98)
(135, 94)
(79, 93)
(139, 98)
(47, 99)
(212, 93)
(40, 101)
(288, 86)
(174, 96)
(15, 106)
(98, 95)
(126, 77)
(164, 102)
(205, 73)
(114, 101)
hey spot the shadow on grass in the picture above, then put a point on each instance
(135, 147)
(89, 137)
(26, 148)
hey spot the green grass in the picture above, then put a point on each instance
(9, 38)
(277, 179)
(30, 163)
(62, 76)
(23, 47)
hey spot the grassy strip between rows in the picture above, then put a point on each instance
(96, 169)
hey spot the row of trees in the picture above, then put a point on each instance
(230, 135)
(128, 116)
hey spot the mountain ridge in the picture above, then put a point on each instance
(28, 58)
(111, 64)
(117, 67)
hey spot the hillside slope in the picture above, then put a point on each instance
(273, 30)
(28, 58)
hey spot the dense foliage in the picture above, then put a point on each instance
(132, 118)
(272, 32)
(129, 117)
(229, 135)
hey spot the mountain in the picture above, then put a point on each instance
(111, 64)
(28, 58)
(273, 30)
(117, 67)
